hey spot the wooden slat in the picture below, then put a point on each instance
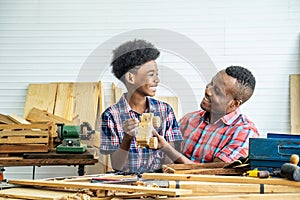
(97, 186)
(281, 196)
(213, 171)
(196, 166)
(295, 103)
(23, 148)
(24, 126)
(221, 179)
(41, 96)
(210, 188)
(116, 93)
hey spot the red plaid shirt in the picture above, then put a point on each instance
(226, 139)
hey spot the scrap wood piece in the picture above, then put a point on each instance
(99, 186)
(281, 196)
(41, 96)
(222, 179)
(214, 188)
(36, 115)
(31, 193)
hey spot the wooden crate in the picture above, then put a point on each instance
(20, 138)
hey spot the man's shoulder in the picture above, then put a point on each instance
(197, 113)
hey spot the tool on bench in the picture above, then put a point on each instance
(291, 170)
(261, 173)
(71, 136)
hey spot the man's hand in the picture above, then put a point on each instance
(162, 143)
(129, 127)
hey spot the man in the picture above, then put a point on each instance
(134, 64)
(219, 132)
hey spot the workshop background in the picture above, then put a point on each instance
(58, 41)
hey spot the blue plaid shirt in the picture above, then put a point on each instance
(139, 159)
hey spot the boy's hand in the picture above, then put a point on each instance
(161, 140)
(129, 127)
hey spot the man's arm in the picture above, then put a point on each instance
(238, 145)
(174, 155)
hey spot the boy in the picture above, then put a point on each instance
(134, 64)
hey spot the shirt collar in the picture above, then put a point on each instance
(226, 119)
(127, 108)
(231, 117)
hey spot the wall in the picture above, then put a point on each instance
(48, 41)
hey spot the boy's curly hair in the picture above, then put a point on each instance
(131, 54)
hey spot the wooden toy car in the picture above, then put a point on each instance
(144, 137)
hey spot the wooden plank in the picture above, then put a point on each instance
(31, 193)
(209, 188)
(24, 126)
(41, 96)
(172, 101)
(295, 103)
(23, 148)
(17, 119)
(196, 166)
(54, 155)
(48, 162)
(281, 196)
(42, 116)
(213, 171)
(101, 105)
(77, 101)
(99, 186)
(221, 179)
(4, 119)
(116, 93)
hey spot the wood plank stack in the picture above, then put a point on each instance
(20, 138)
(158, 186)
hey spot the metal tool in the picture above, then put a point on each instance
(71, 136)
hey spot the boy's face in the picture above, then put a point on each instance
(146, 79)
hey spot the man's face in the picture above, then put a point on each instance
(146, 79)
(219, 92)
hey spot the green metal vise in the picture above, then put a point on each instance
(71, 136)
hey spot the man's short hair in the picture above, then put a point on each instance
(132, 54)
(246, 82)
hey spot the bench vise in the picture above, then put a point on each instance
(71, 136)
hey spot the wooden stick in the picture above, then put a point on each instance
(282, 196)
(210, 188)
(221, 179)
(99, 186)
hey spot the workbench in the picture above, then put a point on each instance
(50, 159)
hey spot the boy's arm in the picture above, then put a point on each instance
(120, 156)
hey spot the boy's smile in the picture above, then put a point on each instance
(146, 79)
